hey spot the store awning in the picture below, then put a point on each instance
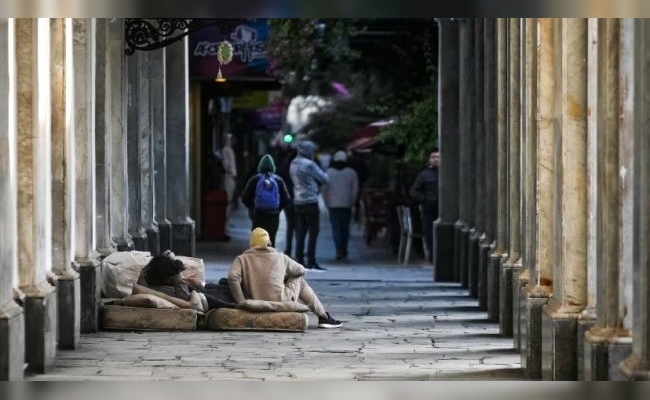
(366, 136)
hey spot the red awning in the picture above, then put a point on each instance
(366, 136)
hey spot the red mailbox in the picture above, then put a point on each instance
(214, 215)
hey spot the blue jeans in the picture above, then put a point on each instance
(340, 219)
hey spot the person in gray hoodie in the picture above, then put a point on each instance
(339, 196)
(307, 178)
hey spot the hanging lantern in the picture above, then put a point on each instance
(224, 56)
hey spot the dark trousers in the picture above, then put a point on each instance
(429, 215)
(307, 221)
(340, 219)
(268, 221)
(290, 217)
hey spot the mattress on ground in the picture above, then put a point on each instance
(238, 319)
(142, 318)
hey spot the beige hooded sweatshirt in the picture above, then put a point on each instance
(262, 272)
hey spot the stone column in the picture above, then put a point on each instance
(622, 345)
(34, 191)
(514, 169)
(466, 154)
(527, 175)
(637, 365)
(146, 153)
(159, 133)
(103, 149)
(134, 150)
(116, 87)
(603, 351)
(12, 322)
(499, 254)
(559, 319)
(177, 114)
(539, 286)
(63, 182)
(490, 131)
(587, 317)
(448, 147)
(83, 62)
(529, 154)
(477, 233)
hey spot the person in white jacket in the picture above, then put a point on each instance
(339, 196)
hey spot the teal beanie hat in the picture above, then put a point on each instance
(266, 164)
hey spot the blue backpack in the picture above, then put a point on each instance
(267, 192)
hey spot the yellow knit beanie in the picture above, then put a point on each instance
(260, 238)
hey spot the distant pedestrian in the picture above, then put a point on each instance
(340, 195)
(265, 194)
(307, 178)
(359, 166)
(289, 213)
(425, 191)
(230, 171)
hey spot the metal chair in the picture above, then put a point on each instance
(412, 233)
(403, 232)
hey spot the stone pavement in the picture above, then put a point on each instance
(397, 325)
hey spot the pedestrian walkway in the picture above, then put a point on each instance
(397, 325)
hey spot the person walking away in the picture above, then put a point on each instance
(340, 195)
(307, 178)
(425, 191)
(230, 172)
(289, 214)
(266, 194)
(264, 273)
(361, 168)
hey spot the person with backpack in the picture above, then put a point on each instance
(265, 195)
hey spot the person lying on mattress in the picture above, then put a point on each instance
(163, 273)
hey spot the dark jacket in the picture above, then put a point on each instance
(425, 187)
(248, 195)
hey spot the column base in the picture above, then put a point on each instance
(90, 289)
(534, 298)
(559, 343)
(12, 342)
(69, 309)
(140, 240)
(153, 240)
(586, 321)
(165, 235)
(483, 266)
(635, 369)
(603, 353)
(443, 257)
(183, 240)
(472, 261)
(516, 301)
(494, 280)
(505, 299)
(458, 228)
(106, 251)
(464, 257)
(124, 244)
(40, 326)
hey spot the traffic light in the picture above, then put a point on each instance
(288, 138)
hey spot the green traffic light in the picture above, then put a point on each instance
(288, 138)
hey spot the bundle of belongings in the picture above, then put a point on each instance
(169, 292)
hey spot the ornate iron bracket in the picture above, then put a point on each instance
(152, 34)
